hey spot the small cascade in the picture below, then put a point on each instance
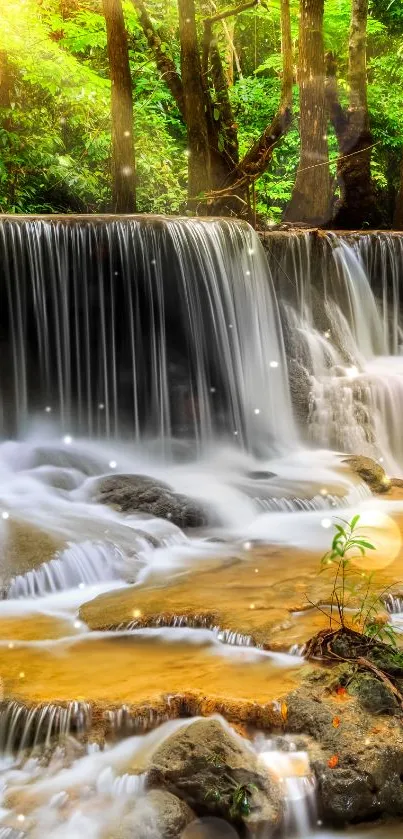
(339, 297)
(291, 768)
(120, 786)
(24, 728)
(78, 566)
(394, 604)
(121, 722)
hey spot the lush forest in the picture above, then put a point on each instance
(270, 110)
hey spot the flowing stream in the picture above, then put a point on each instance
(234, 372)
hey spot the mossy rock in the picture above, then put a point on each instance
(371, 472)
(373, 694)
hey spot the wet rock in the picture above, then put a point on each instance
(369, 471)
(66, 458)
(58, 478)
(357, 756)
(208, 766)
(261, 475)
(373, 694)
(157, 815)
(142, 494)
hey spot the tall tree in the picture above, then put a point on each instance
(352, 127)
(311, 197)
(5, 82)
(202, 86)
(398, 218)
(195, 102)
(123, 160)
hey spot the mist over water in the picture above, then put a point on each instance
(182, 351)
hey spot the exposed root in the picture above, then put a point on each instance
(346, 645)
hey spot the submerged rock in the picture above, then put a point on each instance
(218, 773)
(157, 815)
(24, 546)
(369, 471)
(142, 494)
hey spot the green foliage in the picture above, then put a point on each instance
(349, 543)
(240, 800)
(55, 137)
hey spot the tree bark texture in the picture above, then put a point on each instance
(199, 170)
(311, 198)
(5, 82)
(357, 204)
(165, 64)
(398, 219)
(123, 159)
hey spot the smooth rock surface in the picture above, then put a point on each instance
(140, 493)
(157, 815)
(369, 471)
(205, 763)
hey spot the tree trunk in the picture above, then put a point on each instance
(123, 162)
(196, 103)
(258, 157)
(5, 85)
(230, 54)
(398, 219)
(356, 204)
(311, 198)
(165, 64)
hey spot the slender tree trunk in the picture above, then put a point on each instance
(5, 82)
(164, 63)
(123, 162)
(229, 31)
(311, 196)
(199, 169)
(257, 159)
(357, 200)
(398, 219)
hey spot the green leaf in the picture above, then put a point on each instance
(365, 544)
(354, 521)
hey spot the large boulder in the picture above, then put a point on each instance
(217, 773)
(142, 494)
(369, 471)
(157, 815)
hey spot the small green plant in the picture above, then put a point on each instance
(240, 800)
(347, 544)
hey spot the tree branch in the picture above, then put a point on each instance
(165, 64)
(337, 114)
(230, 12)
(257, 159)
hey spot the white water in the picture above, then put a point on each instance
(163, 343)
(93, 794)
(342, 311)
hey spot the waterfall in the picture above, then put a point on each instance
(78, 566)
(141, 327)
(22, 727)
(339, 299)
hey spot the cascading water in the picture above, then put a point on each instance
(339, 298)
(133, 334)
(156, 327)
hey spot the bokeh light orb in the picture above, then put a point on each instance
(383, 532)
